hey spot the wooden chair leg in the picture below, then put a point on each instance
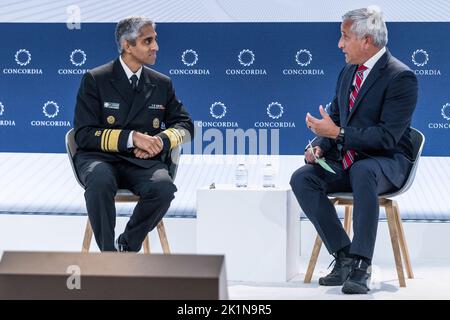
(402, 240)
(87, 237)
(146, 244)
(163, 237)
(315, 254)
(313, 259)
(348, 219)
(390, 215)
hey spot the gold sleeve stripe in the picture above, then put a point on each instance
(175, 137)
(107, 139)
(178, 134)
(172, 138)
(113, 140)
(110, 140)
(103, 140)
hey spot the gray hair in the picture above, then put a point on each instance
(129, 29)
(368, 22)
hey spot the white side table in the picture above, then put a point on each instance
(258, 230)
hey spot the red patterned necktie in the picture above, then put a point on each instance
(349, 155)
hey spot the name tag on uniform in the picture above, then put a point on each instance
(156, 107)
(111, 105)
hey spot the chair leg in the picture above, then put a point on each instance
(315, 253)
(146, 244)
(163, 237)
(390, 215)
(348, 219)
(313, 259)
(87, 237)
(403, 244)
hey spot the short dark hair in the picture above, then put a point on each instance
(129, 28)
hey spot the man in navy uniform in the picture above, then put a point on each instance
(366, 140)
(126, 118)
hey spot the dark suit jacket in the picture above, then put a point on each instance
(378, 126)
(107, 110)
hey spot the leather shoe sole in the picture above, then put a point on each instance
(351, 287)
(330, 283)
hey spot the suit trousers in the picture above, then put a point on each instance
(311, 184)
(102, 178)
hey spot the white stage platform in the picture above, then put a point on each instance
(427, 244)
(42, 208)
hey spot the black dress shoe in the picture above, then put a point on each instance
(359, 278)
(120, 247)
(341, 270)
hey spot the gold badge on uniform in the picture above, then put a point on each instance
(111, 120)
(98, 133)
(156, 123)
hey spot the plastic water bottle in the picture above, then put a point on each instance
(268, 176)
(241, 176)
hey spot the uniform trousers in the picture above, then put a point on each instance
(102, 177)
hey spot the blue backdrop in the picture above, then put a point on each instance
(261, 76)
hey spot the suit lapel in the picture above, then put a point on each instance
(145, 90)
(368, 83)
(347, 89)
(121, 83)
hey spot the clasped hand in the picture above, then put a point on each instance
(146, 146)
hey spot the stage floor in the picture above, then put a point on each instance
(431, 281)
(427, 243)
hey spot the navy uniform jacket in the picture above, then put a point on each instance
(378, 126)
(108, 110)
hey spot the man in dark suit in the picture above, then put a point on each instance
(127, 118)
(366, 140)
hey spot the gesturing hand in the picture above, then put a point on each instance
(324, 127)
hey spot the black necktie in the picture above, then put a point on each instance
(134, 80)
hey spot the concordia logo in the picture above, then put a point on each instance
(22, 57)
(50, 110)
(420, 58)
(47, 109)
(218, 110)
(77, 58)
(6, 123)
(214, 110)
(246, 55)
(189, 58)
(275, 111)
(246, 58)
(445, 113)
(303, 58)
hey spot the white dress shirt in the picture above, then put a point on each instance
(370, 64)
(128, 71)
(129, 74)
